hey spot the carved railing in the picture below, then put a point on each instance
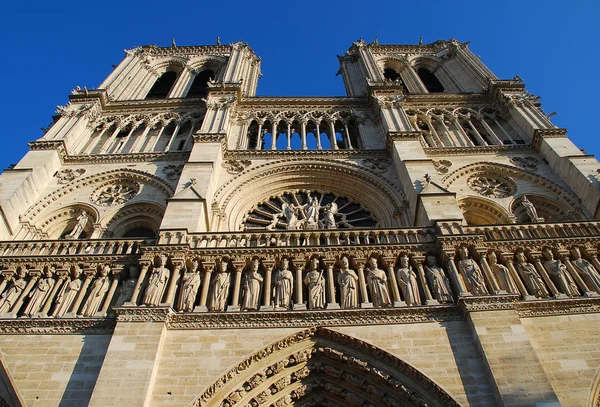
(561, 230)
(53, 248)
(337, 237)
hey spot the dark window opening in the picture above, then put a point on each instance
(140, 232)
(391, 75)
(181, 144)
(199, 86)
(162, 86)
(430, 81)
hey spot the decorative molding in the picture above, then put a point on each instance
(236, 166)
(67, 175)
(488, 303)
(54, 326)
(566, 306)
(303, 154)
(540, 134)
(127, 158)
(477, 150)
(143, 314)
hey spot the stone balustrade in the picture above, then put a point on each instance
(536, 231)
(50, 248)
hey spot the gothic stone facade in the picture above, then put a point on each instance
(175, 240)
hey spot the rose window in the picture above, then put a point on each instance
(115, 193)
(492, 186)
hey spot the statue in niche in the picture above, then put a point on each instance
(588, 272)
(329, 215)
(82, 221)
(377, 282)
(189, 290)
(312, 213)
(38, 296)
(407, 279)
(470, 269)
(502, 274)
(315, 282)
(284, 283)
(67, 293)
(128, 286)
(530, 209)
(348, 281)
(560, 275)
(10, 296)
(220, 287)
(252, 282)
(98, 290)
(532, 279)
(438, 281)
(157, 283)
(290, 211)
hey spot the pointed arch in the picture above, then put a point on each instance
(482, 211)
(594, 397)
(320, 364)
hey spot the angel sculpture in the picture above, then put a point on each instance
(329, 215)
(290, 211)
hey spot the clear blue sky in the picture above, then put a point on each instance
(51, 47)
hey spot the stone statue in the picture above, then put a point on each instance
(157, 283)
(329, 215)
(588, 272)
(128, 286)
(532, 279)
(440, 286)
(220, 288)
(291, 215)
(530, 209)
(377, 282)
(67, 293)
(284, 283)
(189, 289)
(38, 296)
(252, 282)
(471, 271)
(98, 290)
(312, 213)
(502, 274)
(558, 272)
(82, 221)
(348, 282)
(8, 297)
(407, 279)
(315, 282)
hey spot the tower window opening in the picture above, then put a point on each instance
(430, 81)
(391, 75)
(162, 86)
(199, 87)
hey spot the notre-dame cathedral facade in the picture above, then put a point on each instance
(430, 239)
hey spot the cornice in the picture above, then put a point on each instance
(154, 103)
(128, 158)
(53, 326)
(143, 314)
(306, 154)
(541, 134)
(488, 303)
(543, 308)
(478, 150)
(194, 50)
(287, 101)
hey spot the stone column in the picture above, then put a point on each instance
(289, 136)
(331, 303)
(455, 276)
(347, 134)
(259, 137)
(273, 135)
(116, 272)
(487, 271)
(318, 135)
(536, 257)
(298, 281)
(208, 269)
(238, 265)
(34, 275)
(418, 262)
(303, 135)
(89, 275)
(138, 285)
(333, 139)
(389, 264)
(267, 289)
(173, 281)
(360, 270)
(508, 258)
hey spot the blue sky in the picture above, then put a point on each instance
(51, 47)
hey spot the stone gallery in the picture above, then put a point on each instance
(430, 239)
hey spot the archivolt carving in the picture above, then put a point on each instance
(113, 175)
(480, 211)
(145, 214)
(115, 193)
(508, 170)
(57, 222)
(327, 367)
(237, 196)
(491, 185)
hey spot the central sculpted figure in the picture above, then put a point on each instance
(502, 274)
(471, 271)
(99, 288)
(67, 293)
(438, 281)
(312, 213)
(348, 281)
(220, 288)
(378, 287)
(559, 274)
(315, 282)
(407, 279)
(157, 283)
(40, 293)
(588, 272)
(532, 279)
(8, 298)
(284, 282)
(189, 290)
(252, 282)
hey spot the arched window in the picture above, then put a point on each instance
(199, 86)
(162, 86)
(354, 133)
(430, 81)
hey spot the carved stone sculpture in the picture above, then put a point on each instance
(407, 280)
(472, 273)
(531, 278)
(586, 270)
(39, 295)
(530, 209)
(315, 282)
(440, 286)
(252, 283)
(10, 296)
(220, 288)
(377, 282)
(128, 286)
(312, 213)
(67, 293)
(291, 215)
(189, 290)
(284, 283)
(558, 272)
(348, 282)
(157, 283)
(329, 215)
(82, 221)
(98, 290)
(502, 274)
